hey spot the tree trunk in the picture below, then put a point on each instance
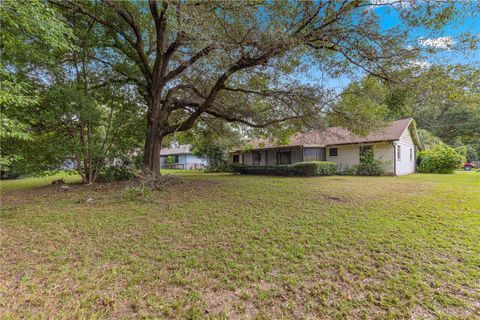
(151, 154)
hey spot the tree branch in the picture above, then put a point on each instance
(160, 20)
(184, 65)
(249, 123)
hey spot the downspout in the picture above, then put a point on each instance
(414, 158)
(394, 160)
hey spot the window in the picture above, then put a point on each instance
(257, 158)
(176, 158)
(332, 152)
(399, 153)
(411, 154)
(365, 149)
(313, 154)
(284, 157)
(236, 158)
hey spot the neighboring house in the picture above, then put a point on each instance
(182, 154)
(395, 144)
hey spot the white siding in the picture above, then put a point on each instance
(349, 155)
(188, 161)
(405, 165)
(193, 162)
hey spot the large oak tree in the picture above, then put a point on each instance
(242, 61)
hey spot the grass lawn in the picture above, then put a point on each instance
(30, 183)
(225, 246)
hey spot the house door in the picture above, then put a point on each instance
(284, 157)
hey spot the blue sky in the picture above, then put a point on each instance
(465, 23)
(470, 22)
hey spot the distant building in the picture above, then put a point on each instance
(182, 156)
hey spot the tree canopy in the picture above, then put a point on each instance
(443, 100)
(108, 66)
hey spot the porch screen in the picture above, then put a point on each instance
(284, 157)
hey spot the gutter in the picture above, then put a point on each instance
(394, 160)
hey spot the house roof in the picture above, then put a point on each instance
(337, 136)
(181, 149)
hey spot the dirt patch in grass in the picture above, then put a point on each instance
(335, 199)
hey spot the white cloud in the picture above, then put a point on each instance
(445, 43)
(422, 64)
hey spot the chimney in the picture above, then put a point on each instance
(173, 144)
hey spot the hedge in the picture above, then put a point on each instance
(313, 168)
(440, 159)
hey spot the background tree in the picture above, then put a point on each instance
(211, 139)
(444, 100)
(30, 34)
(71, 111)
(235, 60)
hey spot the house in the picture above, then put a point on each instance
(395, 144)
(182, 157)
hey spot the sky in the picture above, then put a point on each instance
(444, 39)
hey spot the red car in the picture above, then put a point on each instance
(467, 166)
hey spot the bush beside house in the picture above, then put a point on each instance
(369, 166)
(440, 159)
(313, 168)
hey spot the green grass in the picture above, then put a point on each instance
(35, 182)
(225, 246)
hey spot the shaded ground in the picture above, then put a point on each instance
(244, 247)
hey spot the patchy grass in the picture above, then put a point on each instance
(225, 246)
(35, 182)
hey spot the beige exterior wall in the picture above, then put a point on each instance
(349, 155)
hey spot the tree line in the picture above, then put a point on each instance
(87, 83)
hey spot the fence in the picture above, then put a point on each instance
(182, 166)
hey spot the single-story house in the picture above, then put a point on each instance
(395, 144)
(182, 156)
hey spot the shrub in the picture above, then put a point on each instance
(280, 170)
(314, 168)
(117, 173)
(215, 153)
(440, 159)
(350, 170)
(369, 166)
(220, 168)
(170, 160)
